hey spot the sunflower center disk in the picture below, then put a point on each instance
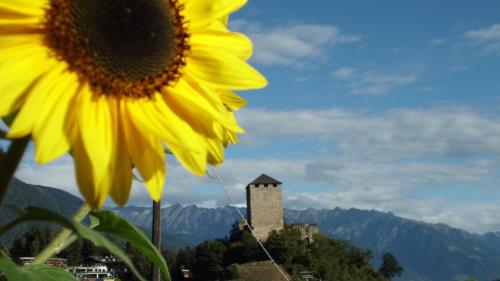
(120, 47)
(130, 38)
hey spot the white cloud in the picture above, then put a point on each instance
(343, 73)
(371, 82)
(485, 34)
(438, 41)
(474, 217)
(375, 84)
(59, 173)
(438, 131)
(488, 38)
(296, 45)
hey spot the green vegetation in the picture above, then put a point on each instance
(390, 266)
(329, 259)
(238, 257)
(32, 242)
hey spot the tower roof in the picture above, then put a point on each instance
(264, 179)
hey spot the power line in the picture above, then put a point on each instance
(231, 201)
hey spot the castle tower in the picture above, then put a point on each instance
(264, 206)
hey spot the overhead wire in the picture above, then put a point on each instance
(231, 201)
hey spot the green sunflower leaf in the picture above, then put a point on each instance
(40, 214)
(111, 223)
(32, 273)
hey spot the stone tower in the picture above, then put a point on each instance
(264, 206)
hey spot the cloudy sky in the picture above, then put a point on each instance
(386, 105)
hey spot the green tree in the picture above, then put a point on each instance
(170, 258)
(390, 266)
(245, 249)
(139, 260)
(285, 245)
(209, 261)
(186, 257)
(235, 233)
(74, 253)
(32, 242)
(359, 257)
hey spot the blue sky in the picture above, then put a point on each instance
(387, 105)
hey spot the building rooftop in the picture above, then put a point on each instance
(264, 179)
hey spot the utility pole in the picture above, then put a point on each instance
(156, 236)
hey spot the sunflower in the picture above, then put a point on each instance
(115, 82)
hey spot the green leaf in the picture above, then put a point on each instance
(40, 214)
(110, 222)
(32, 273)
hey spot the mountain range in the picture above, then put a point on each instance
(434, 252)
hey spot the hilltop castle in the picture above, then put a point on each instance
(265, 209)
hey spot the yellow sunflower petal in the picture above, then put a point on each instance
(18, 21)
(14, 49)
(156, 117)
(198, 101)
(200, 13)
(224, 19)
(22, 71)
(50, 132)
(24, 7)
(121, 166)
(16, 42)
(226, 135)
(232, 137)
(200, 123)
(222, 70)
(97, 129)
(94, 191)
(147, 155)
(217, 36)
(121, 178)
(193, 162)
(215, 155)
(7, 13)
(153, 116)
(23, 124)
(232, 100)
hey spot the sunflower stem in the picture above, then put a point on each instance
(61, 241)
(9, 163)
